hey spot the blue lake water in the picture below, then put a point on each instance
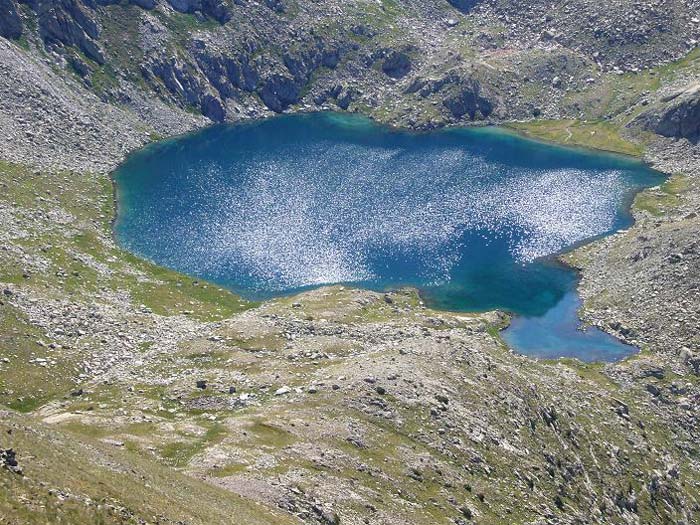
(471, 217)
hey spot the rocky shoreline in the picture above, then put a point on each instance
(348, 330)
(335, 406)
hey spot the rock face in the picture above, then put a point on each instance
(68, 23)
(278, 81)
(469, 102)
(397, 65)
(10, 22)
(679, 118)
(216, 9)
(268, 56)
(279, 92)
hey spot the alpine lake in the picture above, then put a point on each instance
(474, 218)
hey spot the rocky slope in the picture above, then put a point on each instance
(337, 406)
(678, 115)
(100, 78)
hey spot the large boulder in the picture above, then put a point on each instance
(396, 65)
(678, 115)
(469, 101)
(10, 22)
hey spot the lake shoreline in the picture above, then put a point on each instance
(355, 125)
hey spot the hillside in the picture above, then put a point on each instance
(133, 394)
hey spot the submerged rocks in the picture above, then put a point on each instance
(463, 5)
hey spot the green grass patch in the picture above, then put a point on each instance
(179, 453)
(268, 435)
(168, 292)
(658, 201)
(25, 385)
(598, 135)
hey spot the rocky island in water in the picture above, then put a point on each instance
(349, 262)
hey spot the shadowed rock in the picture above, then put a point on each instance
(10, 22)
(679, 118)
(279, 92)
(397, 65)
(463, 5)
(469, 102)
(67, 22)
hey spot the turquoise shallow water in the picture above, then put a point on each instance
(471, 217)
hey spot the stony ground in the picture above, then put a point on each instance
(83, 83)
(133, 394)
(334, 406)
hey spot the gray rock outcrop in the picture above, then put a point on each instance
(678, 117)
(68, 23)
(469, 101)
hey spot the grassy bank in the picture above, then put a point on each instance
(602, 136)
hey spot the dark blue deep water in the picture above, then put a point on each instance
(471, 217)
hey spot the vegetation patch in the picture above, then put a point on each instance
(179, 453)
(599, 135)
(658, 201)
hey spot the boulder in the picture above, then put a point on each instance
(396, 65)
(212, 108)
(469, 102)
(678, 116)
(8, 460)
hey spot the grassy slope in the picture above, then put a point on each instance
(64, 234)
(596, 135)
(161, 491)
(76, 481)
(609, 106)
(69, 234)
